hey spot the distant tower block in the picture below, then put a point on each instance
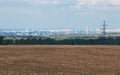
(87, 30)
(104, 28)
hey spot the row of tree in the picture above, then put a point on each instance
(49, 41)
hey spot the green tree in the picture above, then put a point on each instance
(1, 39)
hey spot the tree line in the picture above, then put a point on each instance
(50, 41)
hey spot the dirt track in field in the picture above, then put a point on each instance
(59, 60)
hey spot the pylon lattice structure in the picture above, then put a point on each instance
(104, 28)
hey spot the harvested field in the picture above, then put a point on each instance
(59, 60)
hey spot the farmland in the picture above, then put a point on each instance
(59, 60)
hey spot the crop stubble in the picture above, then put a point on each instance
(59, 60)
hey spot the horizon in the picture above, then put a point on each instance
(59, 14)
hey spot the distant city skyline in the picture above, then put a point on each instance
(59, 14)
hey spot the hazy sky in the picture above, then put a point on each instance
(52, 14)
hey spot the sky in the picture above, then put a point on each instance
(58, 14)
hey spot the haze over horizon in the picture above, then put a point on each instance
(57, 14)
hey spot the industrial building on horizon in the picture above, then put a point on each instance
(36, 32)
